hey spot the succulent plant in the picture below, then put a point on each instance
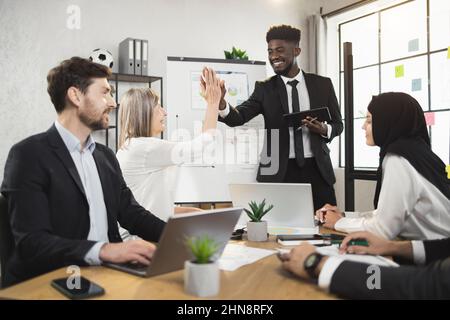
(203, 248)
(236, 54)
(258, 210)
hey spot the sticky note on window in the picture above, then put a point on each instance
(399, 71)
(413, 45)
(416, 84)
(429, 118)
(447, 168)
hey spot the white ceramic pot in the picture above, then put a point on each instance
(257, 231)
(201, 280)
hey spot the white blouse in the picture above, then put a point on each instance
(409, 206)
(149, 167)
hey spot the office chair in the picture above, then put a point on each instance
(6, 238)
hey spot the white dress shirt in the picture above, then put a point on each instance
(409, 206)
(149, 167)
(332, 263)
(87, 170)
(303, 98)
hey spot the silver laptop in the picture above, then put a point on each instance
(292, 203)
(172, 252)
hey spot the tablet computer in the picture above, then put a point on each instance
(295, 118)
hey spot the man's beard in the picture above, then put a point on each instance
(93, 124)
(285, 71)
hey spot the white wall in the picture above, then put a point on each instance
(34, 38)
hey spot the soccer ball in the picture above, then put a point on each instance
(102, 56)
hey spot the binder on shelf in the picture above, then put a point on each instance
(126, 56)
(137, 57)
(144, 58)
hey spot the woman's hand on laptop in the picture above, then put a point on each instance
(178, 210)
(131, 251)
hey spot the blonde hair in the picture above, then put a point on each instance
(135, 114)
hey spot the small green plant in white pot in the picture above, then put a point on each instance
(256, 228)
(202, 274)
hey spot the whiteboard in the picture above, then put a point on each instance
(185, 113)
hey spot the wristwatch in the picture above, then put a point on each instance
(311, 262)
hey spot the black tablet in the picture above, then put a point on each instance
(295, 119)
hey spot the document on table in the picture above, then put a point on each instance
(276, 230)
(377, 260)
(333, 251)
(235, 256)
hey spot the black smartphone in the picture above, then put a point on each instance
(86, 289)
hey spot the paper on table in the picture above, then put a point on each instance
(377, 260)
(333, 251)
(235, 256)
(275, 230)
(288, 243)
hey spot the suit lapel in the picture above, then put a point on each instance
(312, 91)
(63, 154)
(281, 88)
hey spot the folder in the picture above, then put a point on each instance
(137, 57)
(126, 56)
(144, 58)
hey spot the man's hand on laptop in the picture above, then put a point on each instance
(130, 251)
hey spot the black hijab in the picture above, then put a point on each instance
(398, 127)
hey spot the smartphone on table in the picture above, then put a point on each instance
(86, 289)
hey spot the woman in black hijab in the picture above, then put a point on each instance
(412, 197)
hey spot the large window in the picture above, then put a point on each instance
(397, 46)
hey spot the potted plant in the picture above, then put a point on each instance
(202, 275)
(257, 229)
(236, 54)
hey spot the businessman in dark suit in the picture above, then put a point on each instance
(65, 192)
(356, 280)
(291, 154)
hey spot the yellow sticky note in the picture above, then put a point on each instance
(399, 71)
(448, 53)
(447, 168)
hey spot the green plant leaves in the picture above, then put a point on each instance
(203, 248)
(258, 211)
(236, 54)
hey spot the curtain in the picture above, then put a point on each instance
(317, 44)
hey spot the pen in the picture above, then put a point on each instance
(356, 242)
(313, 119)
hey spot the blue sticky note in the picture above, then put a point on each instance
(413, 45)
(416, 84)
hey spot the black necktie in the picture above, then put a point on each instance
(298, 134)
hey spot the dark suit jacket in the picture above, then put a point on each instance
(48, 209)
(405, 282)
(270, 99)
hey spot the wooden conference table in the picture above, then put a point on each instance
(264, 279)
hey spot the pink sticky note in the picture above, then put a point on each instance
(429, 118)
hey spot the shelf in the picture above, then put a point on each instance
(133, 78)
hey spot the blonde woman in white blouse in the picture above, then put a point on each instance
(148, 163)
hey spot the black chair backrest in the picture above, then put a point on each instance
(6, 237)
